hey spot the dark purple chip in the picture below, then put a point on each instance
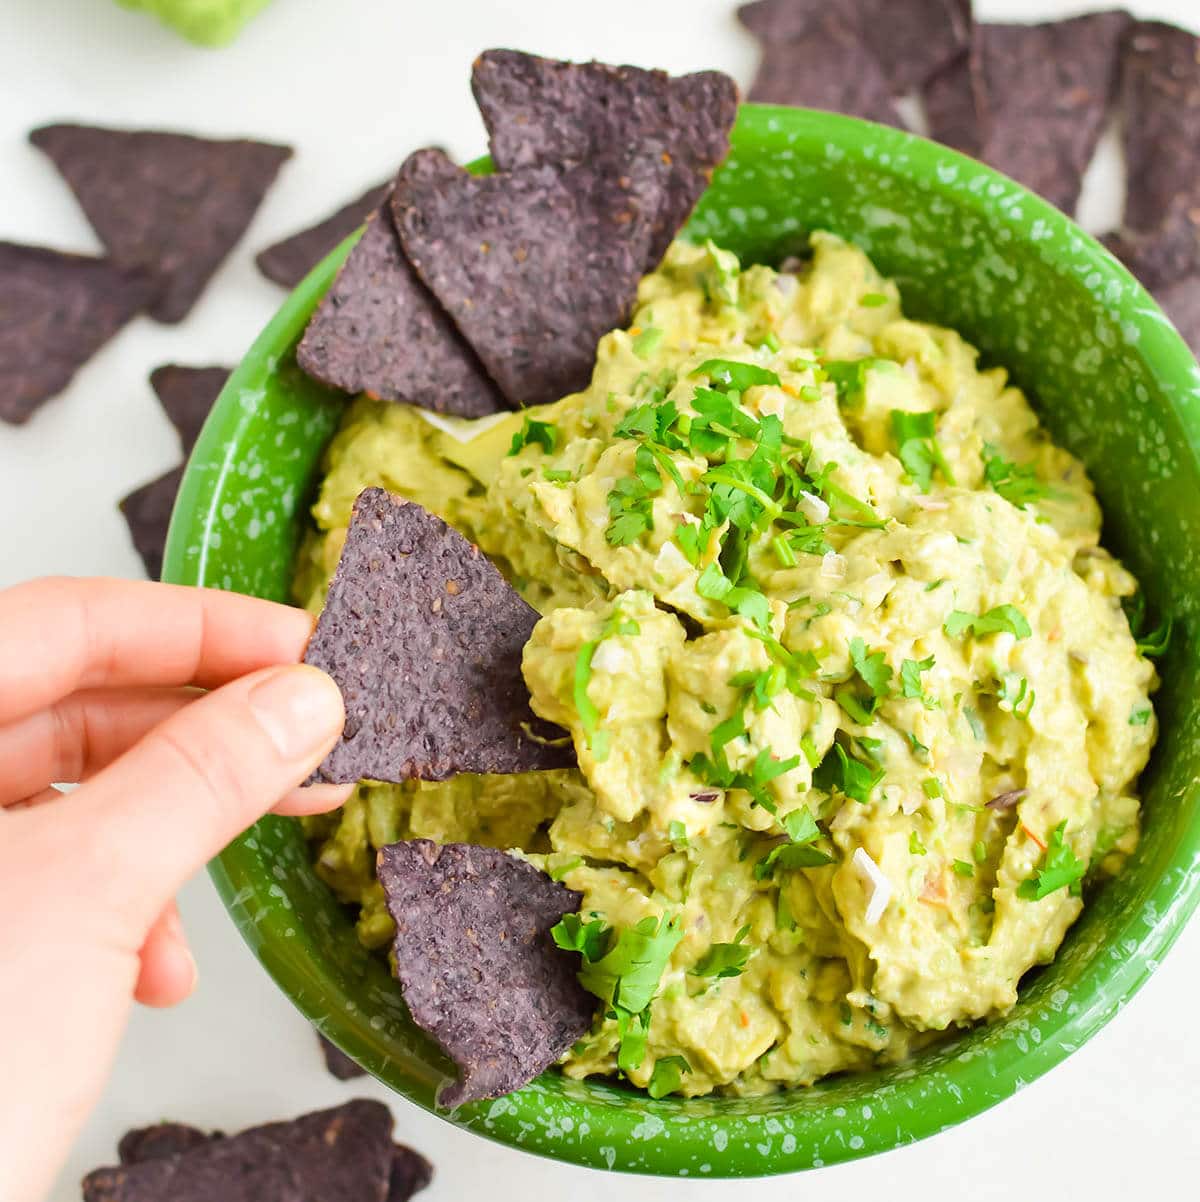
(1180, 301)
(345, 1153)
(477, 966)
(954, 96)
(163, 1139)
(534, 265)
(1161, 256)
(187, 394)
(424, 638)
(411, 1173)
(170, 204)
(541, 112)
(379, 331)
(337, 1062)
(911, 40)
(830, 68)
(287, 262)
(1049, 88)
(147, 513)
(1160, 93)
(56, 311)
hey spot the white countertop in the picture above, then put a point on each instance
(354, 85)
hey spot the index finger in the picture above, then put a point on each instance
(63, 634)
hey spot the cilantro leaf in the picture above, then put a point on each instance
(714, 585)
(910, 681)
(730, 375)
(1155, 643)
(1017, 483)
(839, 772)
(872, 669)
(1003, 618)
(544, 434)
(631, 964)
(667, 1076)
(724, 959)
(590, 939)
(589, 716)
(849, 377)
(798, 852)
(647, 341)
(1060, 869)
(918, 449)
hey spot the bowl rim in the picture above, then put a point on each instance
(610, 1131)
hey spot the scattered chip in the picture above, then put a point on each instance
(147, 513)
(954, 96)
(831, 68)
(1181, 303)
(379, 331)
(171, 204)
(1163, 255)
(476, 963)
(344, 1153)
(1048, 92)
(540, 112)
(410, 1174)
(534, 265)
(163, 1139)
(424, 638)
(56, 311)
(287, 262)
(188, 394)
(1160, 91)
(337, 1062)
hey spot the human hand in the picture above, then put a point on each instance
(100, 683)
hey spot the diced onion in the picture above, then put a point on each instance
(930, 504)
(881, 887)
(813, 508)
(460, 430)
(833, 566)
(610, 656)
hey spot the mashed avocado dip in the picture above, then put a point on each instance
(855, 702)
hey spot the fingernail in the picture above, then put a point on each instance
(299, 708)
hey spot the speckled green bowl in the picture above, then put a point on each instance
(1115, 384)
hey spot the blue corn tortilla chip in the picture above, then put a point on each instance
(1160, 95)
(288, 261)
(147, 513)
(424, 637)
(911, 40)
(337, 1062)
(1180, 301)
(477, 966)
(1048, 92)
(379, 331)
(541, 112)
(170, 204)
(344, 1153)
(1163, 255)
(56, 311)
(187, 395)
(162, 1139)
(828, 67)
(954, 96)
(534, 265)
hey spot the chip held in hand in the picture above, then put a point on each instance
(478, 968)
(424, 637)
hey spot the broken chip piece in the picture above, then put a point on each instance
(171, 204)
(147, 512)
(187, 394)
(1160, 93)
(162, 1139)
(534, 265)
(289, 260)
(476, 963)
(345, 1153)
(379, 331)
(56, 311)
(424, 637)
(542, 112)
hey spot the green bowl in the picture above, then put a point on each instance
(1114, 383)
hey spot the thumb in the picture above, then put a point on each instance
(157, 814)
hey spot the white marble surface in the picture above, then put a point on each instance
(354, 85)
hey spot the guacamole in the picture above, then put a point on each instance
(856, 706)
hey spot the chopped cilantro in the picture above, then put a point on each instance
(730, 375)
(557, 475)
(918, 449)
(677, 834)
(964, 868)
(1151, 643)
(846, 774)
(1140, 716)
(931, 787)
(1014, 691)
(1003, 618)
(849, 377)
(910, 681)
(647, 341)
(558, 871)
(1154, 644)
(1017, 483)
(544, 434)
(915, 846)
(798, 852)
(589, 715)
(973, 721)
(872, 300)
(724, 959)
(590, 939)
(1060, 868)
(749, 602)
(785, 920)
(979, 851)
(783, 551)
(667, 1076)
(770, 340)
(872, 669)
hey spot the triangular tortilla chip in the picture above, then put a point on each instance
(534, 265)
(147, 513)
(288, 261)
(379, 331)
(424, 637)
(171, 204)
(56, 311)
(477, 965)
(187, 394)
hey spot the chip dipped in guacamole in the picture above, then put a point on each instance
(856, 707)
